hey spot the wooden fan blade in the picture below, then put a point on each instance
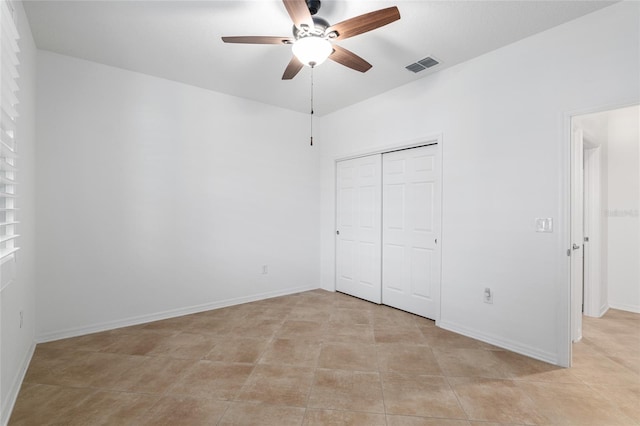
(363, 23)
(292, 69)
(349, 59)
(299, 12)
(258, 40)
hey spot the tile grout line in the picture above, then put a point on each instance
(321, 342)
(380, 378)
(253, 369)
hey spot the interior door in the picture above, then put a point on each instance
(358, 221)
(410, 230)
(577, 232)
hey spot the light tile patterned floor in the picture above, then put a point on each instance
(320, 358)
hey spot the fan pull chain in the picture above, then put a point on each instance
(311, 115)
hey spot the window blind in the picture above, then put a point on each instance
(8, 115)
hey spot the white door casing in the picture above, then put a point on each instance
(358, 219)
(410, 230)
(577, 232)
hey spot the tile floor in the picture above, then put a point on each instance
(320, 358)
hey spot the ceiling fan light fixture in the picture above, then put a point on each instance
(312, 50)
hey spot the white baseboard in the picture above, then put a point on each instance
(14, 390)
(110, 325)
(624, 307)
(603, 310)
(517, 347)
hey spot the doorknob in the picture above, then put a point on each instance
(575, 246)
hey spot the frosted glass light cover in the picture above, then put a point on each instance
(312, 50)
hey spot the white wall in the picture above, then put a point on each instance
(16, 344)
(623, 207)
(504, 121)
(157, 198)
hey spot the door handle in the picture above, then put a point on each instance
(575, 246)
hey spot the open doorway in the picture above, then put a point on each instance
(605, 222)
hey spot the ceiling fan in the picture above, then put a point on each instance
(313, 36)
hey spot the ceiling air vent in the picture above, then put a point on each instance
(422, 64)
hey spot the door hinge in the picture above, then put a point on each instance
(568, 252)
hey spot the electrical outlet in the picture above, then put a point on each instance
(488, 295)
(21, 318)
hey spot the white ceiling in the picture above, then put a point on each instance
(180, 40)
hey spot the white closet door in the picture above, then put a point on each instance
(410, 228)
(358, 242)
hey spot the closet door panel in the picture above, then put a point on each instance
(410, 228)
(358, 219)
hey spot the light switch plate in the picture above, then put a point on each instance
(544, 224)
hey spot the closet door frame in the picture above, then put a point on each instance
(433, 139)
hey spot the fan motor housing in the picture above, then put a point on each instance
(320, 25)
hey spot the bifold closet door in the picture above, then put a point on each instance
(410, 228)
(358, 239)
